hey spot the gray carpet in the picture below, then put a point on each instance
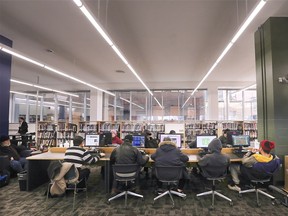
(15, 202)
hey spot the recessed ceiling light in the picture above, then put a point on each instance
(49, 50)
(120, 71)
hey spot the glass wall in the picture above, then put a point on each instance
(237, 105)
(164, 105)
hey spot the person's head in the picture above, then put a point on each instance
(167, 139)
(78, 141)
(113, 133)
(147, 133)
(21, 119)
(128, 139)
(215, 145)
(5, 140)
(172, 132)
(225, 132)
(266, 146)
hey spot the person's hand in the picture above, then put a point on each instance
(12, 158)
(102, 154)
(254, 150)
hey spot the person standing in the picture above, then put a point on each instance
(22, 130)
(79, 157)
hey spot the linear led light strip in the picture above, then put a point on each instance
(230, 44)
(41, 87)
(15, 53)
(102, 32)
(131, 103)
(26, 94)
(244, 89)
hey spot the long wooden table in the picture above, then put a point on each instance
(38, 164)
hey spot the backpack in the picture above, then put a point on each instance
(4, 178)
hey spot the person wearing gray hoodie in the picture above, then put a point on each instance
(215, 163)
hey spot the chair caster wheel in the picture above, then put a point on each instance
(231, 203)
(211, 208)
(108, 203)
(240, 195)
(258, 204)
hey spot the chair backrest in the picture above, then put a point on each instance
(125, 172)
(214, 171)
(168, 173)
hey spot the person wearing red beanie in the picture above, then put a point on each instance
(256, 164)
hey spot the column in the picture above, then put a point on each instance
(212, 103)
(271, 48)
(96, 110)
(5, 76)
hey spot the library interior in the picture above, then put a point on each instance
(143, 107)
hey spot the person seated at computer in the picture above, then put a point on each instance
(167, 154)
(254, 166)
(79, 157)
(149, 141)
(115, 138)
(223, 138)
(127, 154)
(18, 162)
(208, 163)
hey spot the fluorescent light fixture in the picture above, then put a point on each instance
(245, 88)
(16, 54)
(106, 37)
(158, 102)
(42, 87)
(27, 94)
(230, 44)
(249, 20)
(22, 57)
(128, 101)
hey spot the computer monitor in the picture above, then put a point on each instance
(203, 141)
(92, 140)
(105, 138)
(138, 141)
(240, 140)
(231, 133)
(174, 138)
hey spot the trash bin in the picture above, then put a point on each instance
(22, 178)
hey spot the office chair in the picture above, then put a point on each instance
(213, 192)
(71, 183)
(125, 173)
(257, 182)
(169, 175)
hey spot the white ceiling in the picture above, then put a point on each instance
(170, 43)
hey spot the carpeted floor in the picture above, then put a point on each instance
(14, 202)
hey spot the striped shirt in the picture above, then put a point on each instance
(79, 156)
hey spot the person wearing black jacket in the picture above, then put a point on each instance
(17, 163)
(127, 154)
(23, 129)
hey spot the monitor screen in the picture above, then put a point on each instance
(174, 138)
(240, 140)
(138, 141)
(92, 140)
(203, 141)
(105, 138)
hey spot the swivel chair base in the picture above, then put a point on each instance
(170, 192)
(125, 193)
(213, 192)
(257, 190)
